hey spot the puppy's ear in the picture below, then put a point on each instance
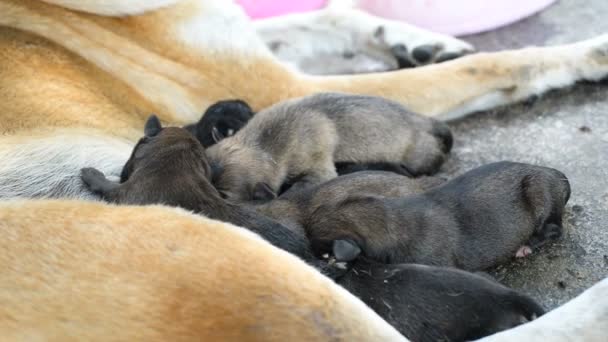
(345, 250)
(152, 127)
(216, 135)
(263, 192)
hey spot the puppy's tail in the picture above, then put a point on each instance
(527, 306)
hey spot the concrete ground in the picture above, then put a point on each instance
(565, 129)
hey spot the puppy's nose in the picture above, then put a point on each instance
(444, 136)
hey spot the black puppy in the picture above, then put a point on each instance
(429, 303)
(473, 222)
(221, 120)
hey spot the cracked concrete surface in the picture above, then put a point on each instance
(565, 129)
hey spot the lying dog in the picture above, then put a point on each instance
(95, 69)
(168, 166)
(302, 139)
(473, 222)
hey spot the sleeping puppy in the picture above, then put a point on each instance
(222, 119)
(225, 118)
(473, 222)
(168, 166)
(428, 303)
(296, 209)
(302, 139)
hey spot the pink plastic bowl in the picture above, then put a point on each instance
(258, 9)
(455, 17)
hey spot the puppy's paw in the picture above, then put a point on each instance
(90, 175)
(93, 179)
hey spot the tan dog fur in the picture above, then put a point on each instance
(75, 89)
(85, 271)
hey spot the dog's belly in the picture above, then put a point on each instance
(49, 165)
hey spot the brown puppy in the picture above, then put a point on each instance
(168, 166)
(300, 140)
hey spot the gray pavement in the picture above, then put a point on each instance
(565, 129)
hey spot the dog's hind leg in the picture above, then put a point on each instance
(481, 81)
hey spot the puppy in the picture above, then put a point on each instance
(296, 209)
(299, 140)
(225, 118)
(428, 303)
(169, 166)
(473, 222)
(222, 119)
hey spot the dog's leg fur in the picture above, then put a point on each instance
(584, 318)
(342, 39)
(485, 80)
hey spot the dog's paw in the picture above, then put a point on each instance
(413, 47)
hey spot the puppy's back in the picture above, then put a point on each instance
(88, 271)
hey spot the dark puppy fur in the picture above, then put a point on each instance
(303, 138)
(221, 120)
(428, 303)
(298, 208)
(169, 166)
(473, 222)
(344, 168)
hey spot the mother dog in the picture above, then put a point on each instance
(79, 78)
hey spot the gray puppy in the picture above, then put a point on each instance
(473, 222)
(298, 141)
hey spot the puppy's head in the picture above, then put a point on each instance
(223, 119)
(166, 150)
(242, 173)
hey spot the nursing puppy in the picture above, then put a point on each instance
(300, 140)
(473, 222)
(296, 209)
(429, 303)
(161, 170)
(225, 118)
(168, 166)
